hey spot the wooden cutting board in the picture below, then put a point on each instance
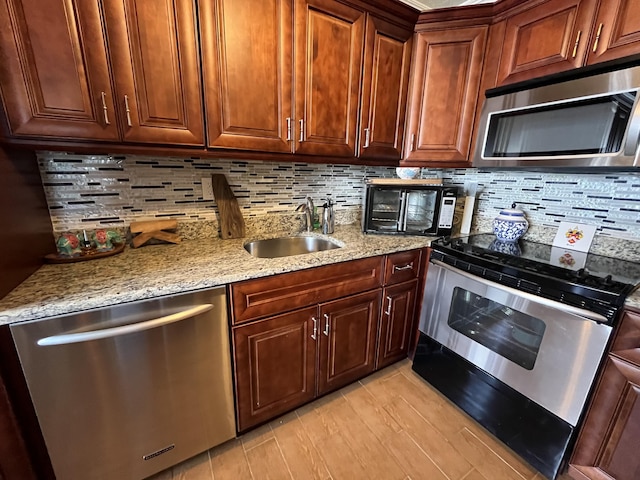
(230, 216)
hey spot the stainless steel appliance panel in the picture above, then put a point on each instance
(128, 391)
(562, 365)
(592, 121)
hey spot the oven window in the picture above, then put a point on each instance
(511, 334)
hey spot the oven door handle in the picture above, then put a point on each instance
(529, 296)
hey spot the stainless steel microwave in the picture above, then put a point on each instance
(579, 119)
(411, 207)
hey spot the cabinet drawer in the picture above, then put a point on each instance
(403, 266)
(253, 299)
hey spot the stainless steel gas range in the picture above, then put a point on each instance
(515, 336)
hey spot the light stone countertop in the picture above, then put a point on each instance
(633, 300)
(157, 270)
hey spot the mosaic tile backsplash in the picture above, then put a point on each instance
(98, 191)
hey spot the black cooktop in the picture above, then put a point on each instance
(591, 281)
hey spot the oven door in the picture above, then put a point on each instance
(547, 351)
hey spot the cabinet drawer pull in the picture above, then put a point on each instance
(104, 108)
(367, 137)
(388, 310)
(597, 40)
(413, 142)
(326, 325)
(314, 335)
(288, 129)
(126, 108)
(405, 267)
(301, 130)
(575, 46)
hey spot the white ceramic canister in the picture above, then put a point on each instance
(510, 224)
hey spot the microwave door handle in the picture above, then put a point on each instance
(529, 296)
(632, 144)
(402, 214)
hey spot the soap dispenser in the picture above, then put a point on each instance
(328, 221)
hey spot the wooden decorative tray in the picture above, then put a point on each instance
(91, 254)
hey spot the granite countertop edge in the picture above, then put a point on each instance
(159, 270)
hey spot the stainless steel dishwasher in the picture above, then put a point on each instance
(127, 391)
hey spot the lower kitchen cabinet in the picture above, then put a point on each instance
(275, 362)
(347, 342)
(608, 442)
(275, 358)
(303, 334)
(399, 303)
(14, 460)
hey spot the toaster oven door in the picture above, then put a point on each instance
(420, 212)
(384, 210)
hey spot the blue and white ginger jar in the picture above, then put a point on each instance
(510, 224)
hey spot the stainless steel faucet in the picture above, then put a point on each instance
(308, 208)
(328, 221)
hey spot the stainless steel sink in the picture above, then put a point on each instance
(288, 246)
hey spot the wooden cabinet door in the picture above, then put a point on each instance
(446, 73)
(248, 73)
(387, 56)
(607, 444)
(275, 361)
(548, 38)
(329, 39)
(54, 74)
(154, 52)
(347, 333)
(14, 459)
(399, 302)
(616, 32)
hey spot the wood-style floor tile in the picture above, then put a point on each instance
(443, 453)
(391, 425)
(228, 461)
(266, 462)
(303, 459)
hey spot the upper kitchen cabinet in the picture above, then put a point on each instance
(559, 35)
(387, 55)
(247, 59)
(616, 29)
(156, 73)
(54, 73)
(329, 41)
(445, 83)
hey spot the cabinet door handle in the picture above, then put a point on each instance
(326, 325)
(404, 267)
(597, 40)
(126, 108)
(301, 130)
(104, 108)
(413, 142)
(314, 335)
(388, 310)
(288, 129)
(367, 137)
(575, 45)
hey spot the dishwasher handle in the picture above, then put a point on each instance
(68, 338)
